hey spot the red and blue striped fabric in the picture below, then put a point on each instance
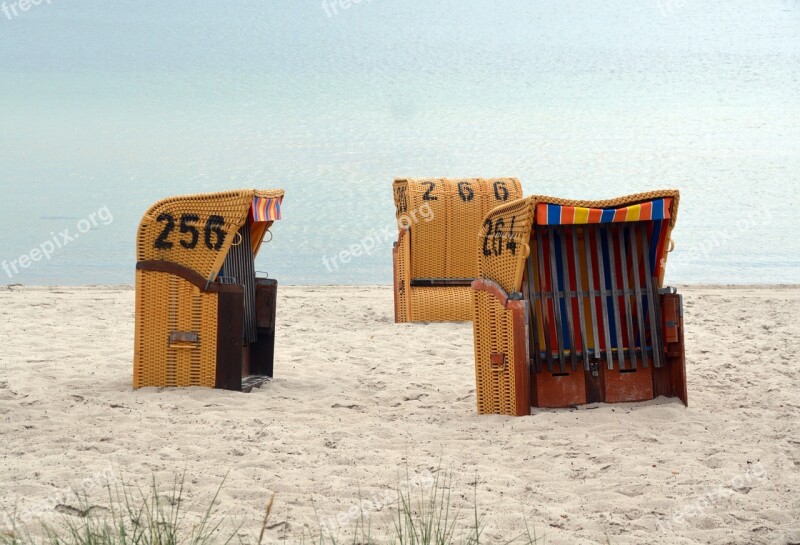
(560, 272)
(266, 209)
(555, 214)
(603, 246)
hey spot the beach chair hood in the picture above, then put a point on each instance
(506, 229)
(197, 231)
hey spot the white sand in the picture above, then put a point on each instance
(357, 400)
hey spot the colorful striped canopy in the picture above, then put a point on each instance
(563, 266)
(266, 209)
(554, 214)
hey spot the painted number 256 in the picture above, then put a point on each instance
(213, 233)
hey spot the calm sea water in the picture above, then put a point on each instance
(113, 105)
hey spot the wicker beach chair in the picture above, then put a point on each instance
(202, 316)
(435, 253)
(569, 306)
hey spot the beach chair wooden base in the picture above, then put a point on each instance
(557, 390)
(245, 367)
(627, 385)
(670, 380)
(502, 383)
(263, 350)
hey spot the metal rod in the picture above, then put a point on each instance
(615, 300)
(545, 304)
(533, 319)
(592, 291)
(239, 264)
(637, 288)
(623, 258)
(652, 295)
(432, 282)
(562, 237)
(604, 299)
(585, 293)
(578, 285)
(556, 300)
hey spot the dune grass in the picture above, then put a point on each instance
(425, 516)
(133, 517)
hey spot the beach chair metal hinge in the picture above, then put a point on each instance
(183, 337)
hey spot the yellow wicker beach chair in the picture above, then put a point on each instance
(569, 306)
(202, 316)
(435, 253)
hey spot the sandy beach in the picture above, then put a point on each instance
(358, 402)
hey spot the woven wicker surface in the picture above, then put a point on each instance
(493, 332)
(167, 303)
(402, 280)
(442, 216)
(441, 304)
(502, 259)
(444, 246)
(503, 243)
(195, 231)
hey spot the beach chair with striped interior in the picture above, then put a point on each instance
(570, 308)
(435, 253)
(203, 318)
